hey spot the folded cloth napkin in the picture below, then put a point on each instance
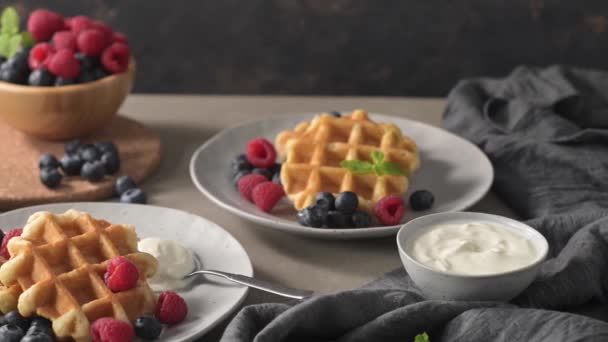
(546, 133)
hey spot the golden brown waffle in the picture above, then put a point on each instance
(59, 263)
(312, 153)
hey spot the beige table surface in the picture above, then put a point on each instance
(185, 122)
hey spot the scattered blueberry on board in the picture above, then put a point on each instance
(16, 328)
(128, 192)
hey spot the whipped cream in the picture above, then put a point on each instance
(174, 262)
(476, 248)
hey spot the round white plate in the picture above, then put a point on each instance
(455, 170)
(209, 301)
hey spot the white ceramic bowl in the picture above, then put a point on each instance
(436, 284)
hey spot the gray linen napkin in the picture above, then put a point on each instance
(545, 131)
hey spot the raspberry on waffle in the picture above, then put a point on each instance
(313, 151)
(59, 262)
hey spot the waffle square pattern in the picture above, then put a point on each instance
(313, 151)
(57, 268)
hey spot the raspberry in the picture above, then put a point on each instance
(120, 38)
(121, 275)
(91, 42)
(389, 210)
(115, 58)
(78, 23)
(7, 238)
(40, 55)
(64, 64)
(43, 23)
(64, 40)
(108, 329)
(266, 195)
(248, 182)
(106, 30)
(261, 153)
(171, 308)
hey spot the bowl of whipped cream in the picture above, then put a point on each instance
(471, 256)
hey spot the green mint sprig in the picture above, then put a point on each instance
(424, 337)
(379, 166)
(11, 39)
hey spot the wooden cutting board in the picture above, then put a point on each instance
(20, 186)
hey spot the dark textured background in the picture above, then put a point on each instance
(363, 47)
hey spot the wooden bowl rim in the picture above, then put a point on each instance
(67, 88)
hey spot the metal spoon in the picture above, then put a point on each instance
(252, 282)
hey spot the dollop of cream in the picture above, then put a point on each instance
(476, 248)
(174, 262)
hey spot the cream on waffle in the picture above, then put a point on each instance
(313, 151)
(58, 264)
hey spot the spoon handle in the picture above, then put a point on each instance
(258, 284)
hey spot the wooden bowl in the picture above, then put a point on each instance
(66, 112)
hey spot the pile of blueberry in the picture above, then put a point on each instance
(338, 212)
(16, 328)
(241, 167)
(91, 162)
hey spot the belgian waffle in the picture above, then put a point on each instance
(58, 264)
(313, 151)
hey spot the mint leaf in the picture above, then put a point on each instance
(14, 45)
(424, 337)
(9, 21)
(377, 157)
(390, 168)
(27, 41)
(357, 166)
(4, 44)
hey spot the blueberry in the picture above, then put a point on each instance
(421, 200)
(347, 202)
(240, 163)
(93, 171)
(12, 75)
(107, 146)
(48, 160)
(111, 162)
(147, 327)
(276, 178)
(361, 219)
(134, 196)
(50, 177)
(41, 324)
(336, 219)
(2, 322)
(312, 216)
(124, 183)
(11, 333)
(85, 77)
(71, 164)
(87, 63)
(264, 172)
(326, 199)
(19, 61)
(2, 59)
(89, 153)
(99, 73)
(239, 175)
(41, 78)
(60, 81)
(336, 114)
(37, 336)
(276, 168)
(72, 146)
(14, 317)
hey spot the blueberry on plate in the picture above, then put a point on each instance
(93, 171)
(147, 327)
(276, 168)
(41, 324)
(71, 164)
(48, 160)
(421, 200)
(240, 163)
(326, 199)
(312, 217)
(14, 317)
(124, 183)
(11, 333)
(89, 153)
(41, 78)
(72, 146)
(264, 172)
(37, 336)
(239, 175)
(276, 178)
(336, 219)
(134, 196)
(336, 114)
(361, 219)
(347, 202)
(50, 177)
(111, 162)
(2, 322)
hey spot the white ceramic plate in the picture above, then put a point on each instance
(455, 170)
(209, 301)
